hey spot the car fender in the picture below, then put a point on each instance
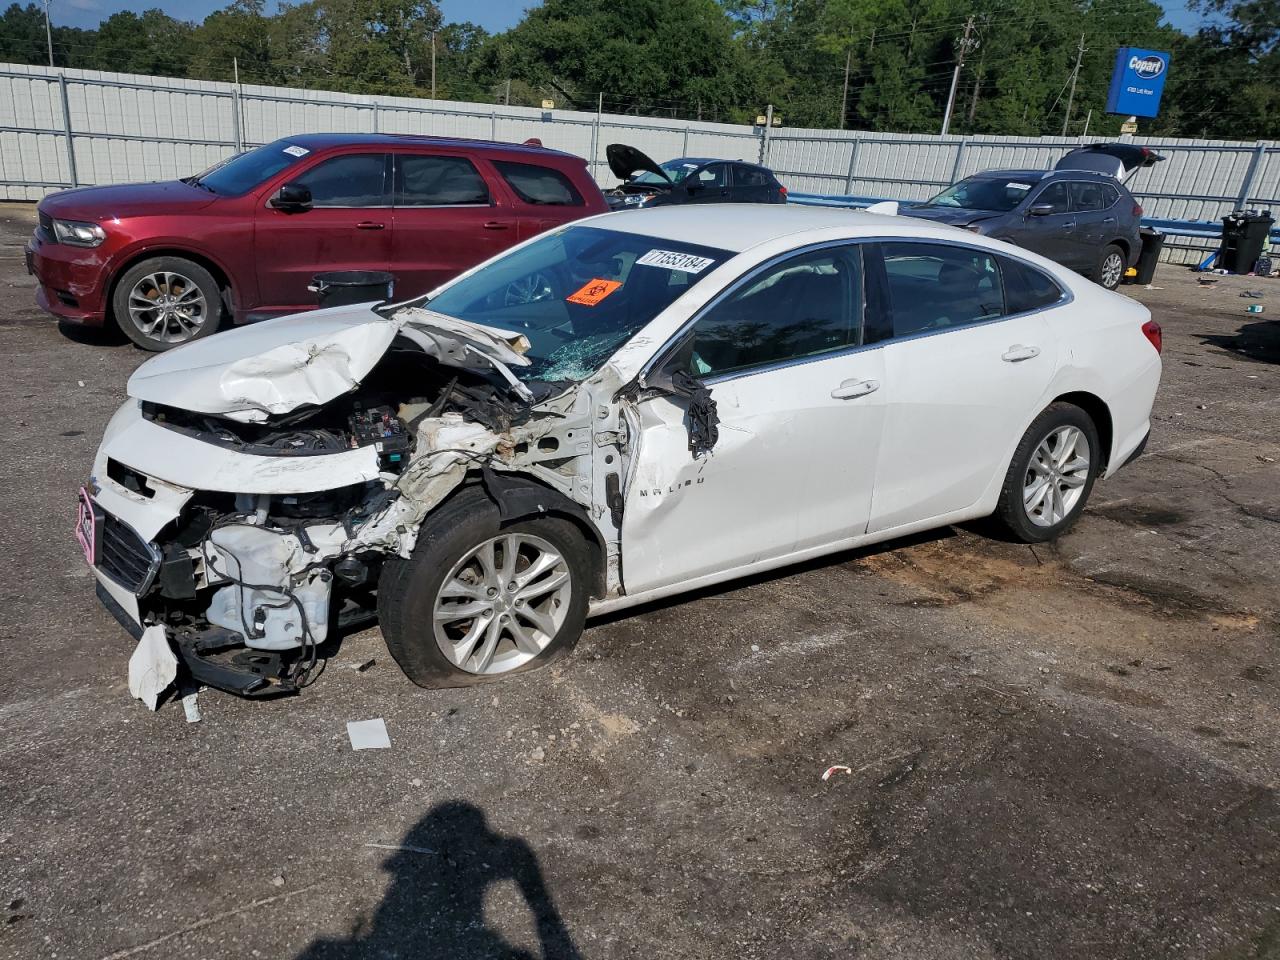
(122, 259)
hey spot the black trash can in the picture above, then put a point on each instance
(340, 288)
(1244, 233)
(1152, 244)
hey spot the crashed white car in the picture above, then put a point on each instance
(633, 406)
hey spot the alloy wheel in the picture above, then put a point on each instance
(167, 307)
(1112, 269)
(502, 604)
(1056, 476)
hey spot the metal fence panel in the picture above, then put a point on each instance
(128, 127)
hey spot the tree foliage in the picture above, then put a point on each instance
(867, 64)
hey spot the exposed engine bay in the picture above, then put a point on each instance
(251, 585)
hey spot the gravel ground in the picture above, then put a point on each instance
(1060, 752)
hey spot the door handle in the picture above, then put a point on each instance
(1018, 352)
(1108, 219)
(1069, 225)
(370, 225)
(854, 388)
(496, 225)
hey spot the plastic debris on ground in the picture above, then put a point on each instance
(833, 770)
(363, 665)
(191, 707)
(368, 734)
(152, 667)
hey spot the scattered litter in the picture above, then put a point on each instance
(1267, 459)
(838, 768)
(191, 708)
(368, 734)
(152, 667)
(1252, 294)
(415, 782)
(1253, 308)
(402, 847)
(755, 648)
(277, 881)
(1202, 406)
(79, 383)
(364, 665)
(1152, 286)
(1205, 281)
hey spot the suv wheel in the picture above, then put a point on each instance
(164, 302)
(479, 600)
(1051, 474)
(1111, 267)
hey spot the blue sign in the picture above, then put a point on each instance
(1137, 82)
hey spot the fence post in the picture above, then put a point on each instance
(684, 151)
(764, 139)
(235, 117)
(853, 162)
(595, 134)
(493, 124)
(375, 116)
(1255, 164)
(955, 168)
(66, 126)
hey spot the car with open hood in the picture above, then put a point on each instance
(648, 184)
(621, 409)
(1079, 214)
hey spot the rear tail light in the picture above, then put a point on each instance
(1137, 209)
(782, 190)
(1151, 330)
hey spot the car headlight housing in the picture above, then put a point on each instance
(637, 199)
(78, 233)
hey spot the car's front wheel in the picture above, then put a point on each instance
(479, 600)
(1111, 267)
(1051, 474)
(164, 302)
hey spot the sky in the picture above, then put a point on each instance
(493, 15)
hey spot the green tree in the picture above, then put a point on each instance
(151, 42)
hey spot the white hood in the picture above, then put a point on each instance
(307, 359)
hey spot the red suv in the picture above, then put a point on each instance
(170, 262)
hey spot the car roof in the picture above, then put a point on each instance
(1032, 175)
(1036, 175)
(324, 141)
(740, 226)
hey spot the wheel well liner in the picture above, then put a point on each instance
(519, 498)
(1098, 412)
(219, 275)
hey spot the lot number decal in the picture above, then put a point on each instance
(670, 260)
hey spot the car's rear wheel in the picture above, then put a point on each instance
(480, 600)
(1111, 265)
(1051, 474)
(165, 302)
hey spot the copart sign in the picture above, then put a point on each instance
(1137, 81)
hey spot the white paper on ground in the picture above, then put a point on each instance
(152, 667)
(368, 734)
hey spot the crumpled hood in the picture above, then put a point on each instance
(307, 359)
(952, 216)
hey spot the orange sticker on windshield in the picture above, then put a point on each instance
(593, 292)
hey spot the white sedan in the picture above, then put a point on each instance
(629, 407)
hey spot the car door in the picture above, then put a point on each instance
(545, 196)
(1094, 223)
(448, 217)
(1050, 234)
(962, 376)
(750, 184)
(800, 417)
(709, 184)
(346, 227)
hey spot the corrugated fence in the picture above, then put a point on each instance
(62, 128)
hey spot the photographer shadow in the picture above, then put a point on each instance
(434, 908)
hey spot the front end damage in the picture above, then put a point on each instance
(248, 494)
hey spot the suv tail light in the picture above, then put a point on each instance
(1151, 330)
(782, 190)
(1137, 209)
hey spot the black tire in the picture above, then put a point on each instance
(407, 589)
(183, 277)
(1011, 511)
(1105, 273)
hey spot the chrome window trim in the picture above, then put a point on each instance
(1066, 297)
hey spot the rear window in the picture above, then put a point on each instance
(539, 185)
(1026, 288)
(427, 181)
(745, 176)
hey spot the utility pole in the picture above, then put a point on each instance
(433, 64)
(48, 31)
(966, 44)
(1075, 72)
(844, 97)
(506, 100)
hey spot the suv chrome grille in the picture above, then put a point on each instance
(125, 557)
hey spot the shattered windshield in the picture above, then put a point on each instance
(578, 294)
(984, 193)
